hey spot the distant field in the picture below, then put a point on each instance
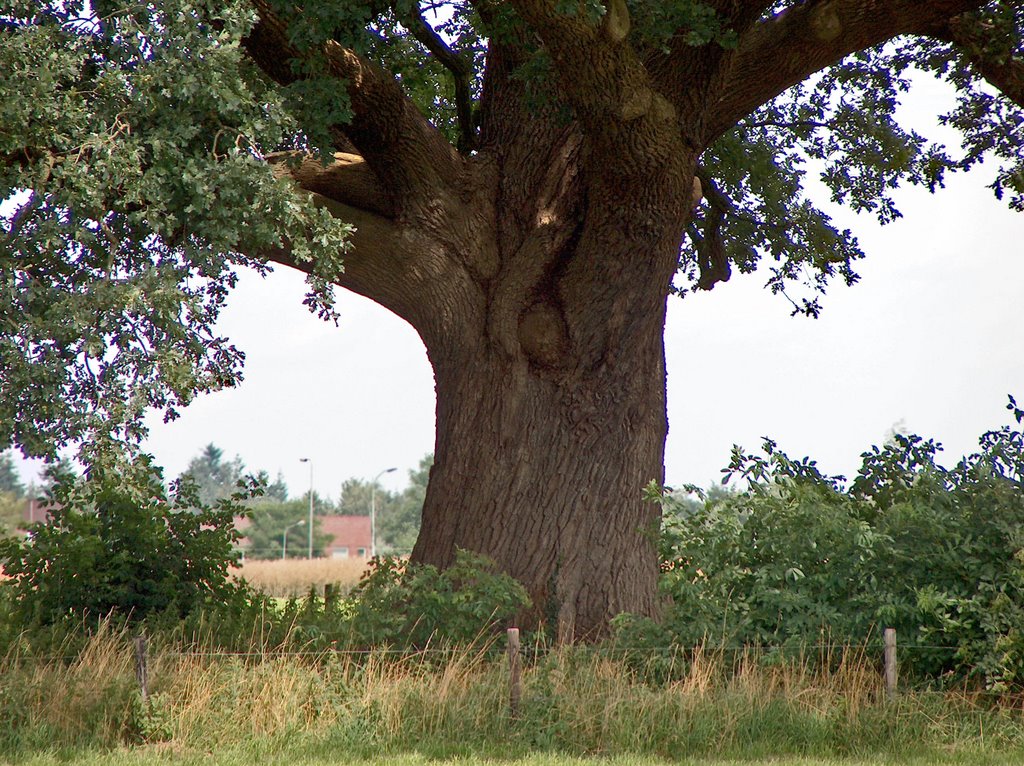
(294, 577)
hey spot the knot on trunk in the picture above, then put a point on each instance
(543, 335)
(825, 22)
(644, 102)
(616, 21)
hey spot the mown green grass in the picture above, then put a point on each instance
(321, 753)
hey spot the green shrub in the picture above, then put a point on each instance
(117, 543)
(798, 558)
(408, 605)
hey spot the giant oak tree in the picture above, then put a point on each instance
(525, 182)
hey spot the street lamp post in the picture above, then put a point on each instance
(373, 511)
(307, 460)
(284, 538)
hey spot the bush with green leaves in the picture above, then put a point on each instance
(411, 606)
(119, 543)
(799, 557)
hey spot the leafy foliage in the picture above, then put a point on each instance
(396, 605)
(991, 126)
(118, 543)
(844, 125)
(406, 605)
(656, 24)
(798, 557)
(132, 175)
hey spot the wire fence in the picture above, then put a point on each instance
(543, 650)
(886, 656)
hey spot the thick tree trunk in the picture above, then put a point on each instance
(551, 409)
(546, 477)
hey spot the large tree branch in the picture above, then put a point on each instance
(460, 69)
(409, 155)
(503, 111)
(777, 53)
(995, 60)
(371, 264)
(691, 76)
(624, 120)
(350, 191)
(347, 179)
(712, 258)
(400, 263)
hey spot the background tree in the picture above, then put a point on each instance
(215, 477)
(12, 494)
(354, 497)
(524, 182)
(265, 533)
(398, 514)
(277, 489)
(62, 470)
(10, 478)
(398, 523)
(12, 511)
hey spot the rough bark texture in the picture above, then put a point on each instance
(551, 416)
(536, 270)
(544, 475)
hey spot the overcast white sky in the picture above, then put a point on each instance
(931, 338)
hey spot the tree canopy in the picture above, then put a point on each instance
(139, 146)
(214, 477)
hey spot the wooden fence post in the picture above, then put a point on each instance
(890, 662)
(140, 668)
(515, 673)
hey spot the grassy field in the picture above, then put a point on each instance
(320, 754)
(579, 707)
(295, 577)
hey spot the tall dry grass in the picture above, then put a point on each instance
(295, 577)
(575, 700)
(69, 697)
